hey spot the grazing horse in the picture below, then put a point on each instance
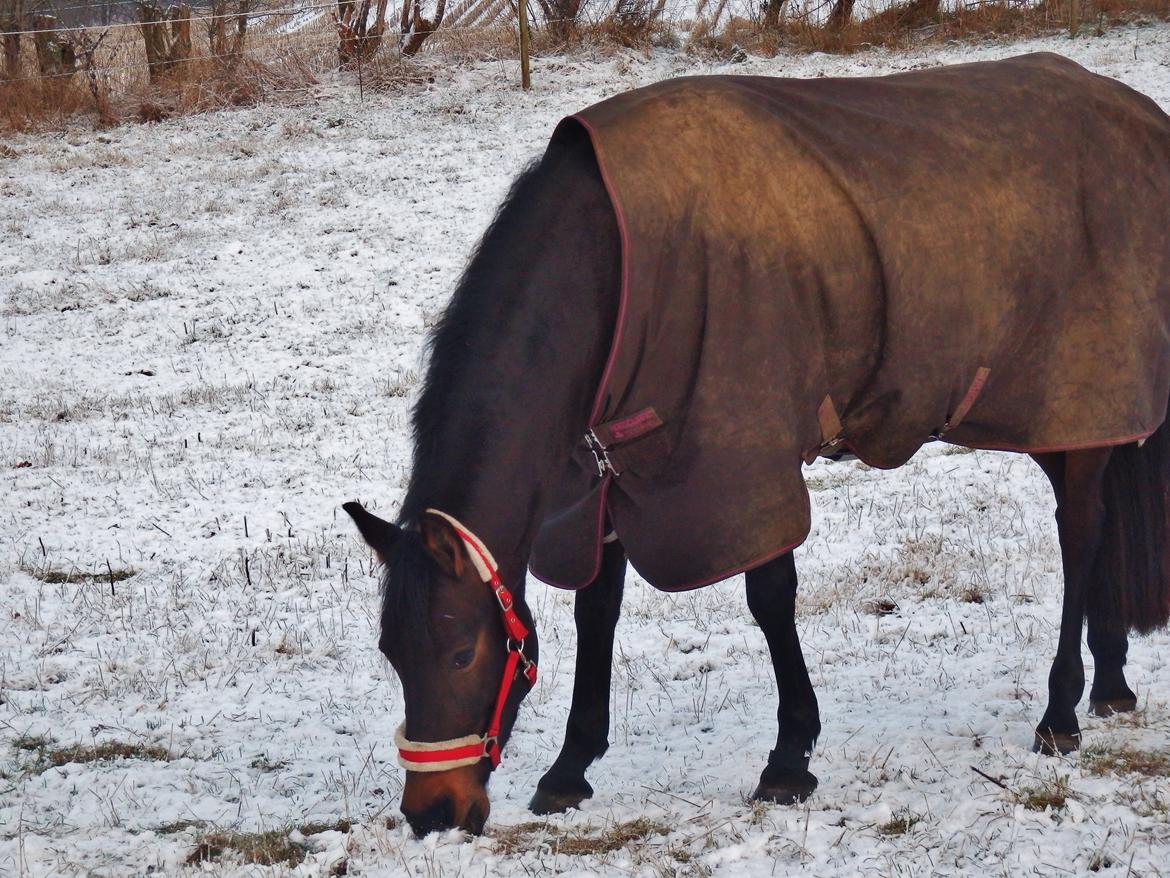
(701, 285)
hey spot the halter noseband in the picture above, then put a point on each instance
(468, 750)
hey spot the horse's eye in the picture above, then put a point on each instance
(463, 658)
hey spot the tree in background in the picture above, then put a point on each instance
(415, 27)
(227, 44)
(55, 57)
(357, 39)
(561, 16)
(11, 18)
(167, 36)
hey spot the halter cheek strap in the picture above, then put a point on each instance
(468, 750)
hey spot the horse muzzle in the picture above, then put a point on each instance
(455, 799)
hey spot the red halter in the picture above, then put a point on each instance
(468, 750)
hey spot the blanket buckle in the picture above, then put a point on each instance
(600, 455)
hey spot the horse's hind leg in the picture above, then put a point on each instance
(1109, 643)
(596, 612)
(771, 596)
(1077, 478)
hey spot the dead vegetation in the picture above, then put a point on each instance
(274, 847)
(46, 755)
(576, 842)
(1103, 761)
(74, 576)
(177, 62)
(1047, 794)
(900, 822)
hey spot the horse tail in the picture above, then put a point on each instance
(1133, 565)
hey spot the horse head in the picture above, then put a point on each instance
(464, 648)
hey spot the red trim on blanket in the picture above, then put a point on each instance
(1076, 446)
(750, 565)
(602, 496)
(619, 215)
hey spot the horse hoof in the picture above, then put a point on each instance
(1110, 706)
(548, 802)
(789, 789)
(1050, 743)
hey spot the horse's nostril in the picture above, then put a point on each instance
(436, 817)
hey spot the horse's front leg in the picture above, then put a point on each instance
(587, 734)
(1077, 479)
(771, 596)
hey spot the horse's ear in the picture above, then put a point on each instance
(379, 535)
(444, 544)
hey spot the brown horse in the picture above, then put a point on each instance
(704, 283)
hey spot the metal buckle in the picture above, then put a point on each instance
(600, 454)
(500, 592)
(511, 645)
(488, 743)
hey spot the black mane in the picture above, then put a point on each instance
(484, 291)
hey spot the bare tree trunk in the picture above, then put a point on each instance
(416, 28)
(167, 37)
(153, 25)
(772, 10)
(227, 51)
(55, 57)
(180, 36)
(561, 17)
(11, 16)
(841, 15)
(357, 40)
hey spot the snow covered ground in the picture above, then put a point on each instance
(212, 331)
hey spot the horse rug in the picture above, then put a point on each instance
(977, 253)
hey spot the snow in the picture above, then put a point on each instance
(212, 332)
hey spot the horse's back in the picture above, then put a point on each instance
(894, 245)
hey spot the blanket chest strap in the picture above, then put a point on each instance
(604, 441)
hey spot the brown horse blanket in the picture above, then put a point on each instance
(979, 253)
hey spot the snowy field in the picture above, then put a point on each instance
(212, 335)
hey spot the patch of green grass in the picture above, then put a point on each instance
(1100, 760)
(271, 848)
(1047, 794)
(524, 836)
(902, 821)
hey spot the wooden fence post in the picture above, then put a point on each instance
(1074, 18)
(525, 79)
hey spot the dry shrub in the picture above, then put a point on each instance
(114, 80)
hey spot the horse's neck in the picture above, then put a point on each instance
(528, 364)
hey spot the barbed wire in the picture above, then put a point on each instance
(298, 41)
(228, 16)
(234, 16)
